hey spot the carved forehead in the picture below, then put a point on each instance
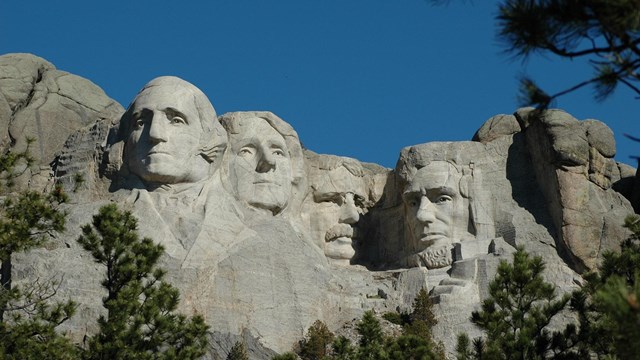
(162, 98)
(436, 175)
(231, 121)
(340, 181)
(173, 90)
(255, 128)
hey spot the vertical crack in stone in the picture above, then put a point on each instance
(24, 103)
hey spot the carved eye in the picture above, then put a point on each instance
(138, 123)
(442, 199)
(177, 120)
(246, 152)
(413, 201)
(278, 152)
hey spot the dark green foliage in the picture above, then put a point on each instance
(371, 338)
(415, 343)
(464, 350)
(608, 304)
(315, 344)
(285, 356)
(10, 162)
(28, 220)
(369, 329)
(398, 318)
(625, 264)
(412, 347)
(422, 319)
(140, 321)
(604, 32)
(238, 352)
(515, 316)
(620, 306)
(343, 349)
(27, 319)
(29, 333)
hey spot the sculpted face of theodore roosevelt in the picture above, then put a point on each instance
(260, 167)
(170, 129)
(339, 194)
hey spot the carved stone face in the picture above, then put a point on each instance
(260, 168)
(163, 145)
(338, 205)
(436, 213)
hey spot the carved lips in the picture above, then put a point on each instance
(340, 231)
(266, 182)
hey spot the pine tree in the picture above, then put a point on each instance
(26, 221)
(140, 321)
(412, 347)
(416, 341)
(30, 333)
(608, 305)
(342, 349)
(604, 32)
(238, 352)
(314, 346)
(422, 319)
(27, 319)
(515, 316)
(371, 338)
(285, 356)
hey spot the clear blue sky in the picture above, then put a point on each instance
(355, 78)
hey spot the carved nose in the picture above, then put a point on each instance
(349, 211)
(426, 212)
(266, 163)
(157, 130)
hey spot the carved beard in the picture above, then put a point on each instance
(436, 257)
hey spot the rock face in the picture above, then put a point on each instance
(263, 237)
(46, 105)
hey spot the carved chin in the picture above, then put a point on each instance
(436, 257)
(340, 249)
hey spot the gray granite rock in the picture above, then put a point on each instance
(262, 238)
(496, 126)
(46, 105)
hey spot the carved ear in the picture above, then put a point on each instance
(465, 185)
(113, 161)
(214, 154)
(411, 172)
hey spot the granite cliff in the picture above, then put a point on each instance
(263, 237)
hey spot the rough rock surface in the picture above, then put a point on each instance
(47, 105)
(263, 237)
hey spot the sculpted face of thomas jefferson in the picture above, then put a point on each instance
(260, 168)
(170, 126)
(437, 215)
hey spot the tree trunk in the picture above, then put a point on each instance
(5, 279)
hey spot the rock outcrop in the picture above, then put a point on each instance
(45, 105)
(263, 237)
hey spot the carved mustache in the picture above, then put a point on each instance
(340, 230)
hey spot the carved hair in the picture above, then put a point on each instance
(333, 162)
